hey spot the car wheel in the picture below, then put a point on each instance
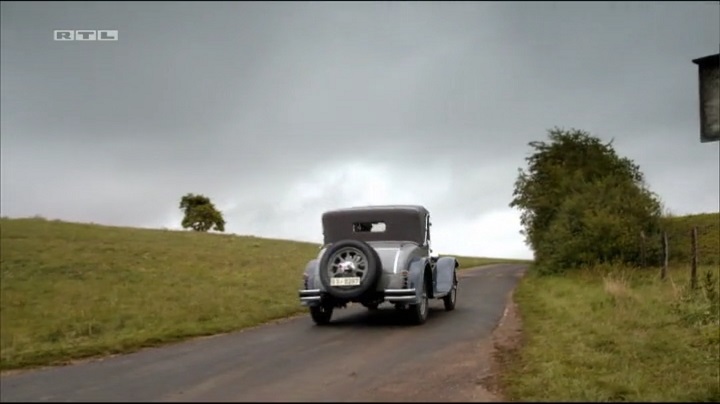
(419, 312)
(321, 315)
(349, 260)
(450, 299)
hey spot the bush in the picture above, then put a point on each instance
(582, 204)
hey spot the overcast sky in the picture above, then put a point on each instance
(279, 111)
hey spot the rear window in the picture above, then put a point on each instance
(369, 227)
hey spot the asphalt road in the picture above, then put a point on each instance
(361, 356)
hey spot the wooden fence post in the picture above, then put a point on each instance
(693, 268)
(666, 254)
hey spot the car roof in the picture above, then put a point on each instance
(404, 222)
(382, 208)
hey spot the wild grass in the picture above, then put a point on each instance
(618, 334)
(679, 239)
(71, 290)
(472, 262)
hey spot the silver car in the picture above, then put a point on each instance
(377, 254)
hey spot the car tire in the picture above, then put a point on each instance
(359, 250)
(450, 299)
(419, 312)
(321, 315)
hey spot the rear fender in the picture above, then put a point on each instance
(416, 274)
(445, 274)
(312, 270)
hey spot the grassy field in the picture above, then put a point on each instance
(679, 229)
(615, 334)
(76, 290)
(470, 262)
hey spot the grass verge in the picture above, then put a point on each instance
(472, 262)
(70, 291)
(617, 335)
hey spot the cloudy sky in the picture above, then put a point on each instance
(279, 111)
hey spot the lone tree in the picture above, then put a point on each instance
(582, 204)
(201, 214)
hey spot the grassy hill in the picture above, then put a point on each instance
(73, 290)
(679, 228)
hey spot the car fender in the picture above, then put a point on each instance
(416, 272)
(445, 273)
(312, 270)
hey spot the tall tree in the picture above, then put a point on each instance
(200, 214)
(581, 203)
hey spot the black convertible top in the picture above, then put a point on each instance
(402, 223)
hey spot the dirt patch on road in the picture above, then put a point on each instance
(506, 341)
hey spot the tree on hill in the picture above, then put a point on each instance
(582, 204)
(201, 214)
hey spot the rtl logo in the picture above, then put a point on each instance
(85, 35)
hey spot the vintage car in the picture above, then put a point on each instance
(376, 254)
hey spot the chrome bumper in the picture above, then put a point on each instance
(400, 295)
(310, 296)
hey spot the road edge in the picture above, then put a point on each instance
(505, 341)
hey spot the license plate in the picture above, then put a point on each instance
(345, 281)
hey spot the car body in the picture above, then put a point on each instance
(376, 254)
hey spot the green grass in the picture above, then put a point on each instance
(72, 290)
(471, 262)
(620, 334)
(616, 336)
(679, 239)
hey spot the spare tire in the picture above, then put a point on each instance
(344, 262)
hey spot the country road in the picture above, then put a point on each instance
(361, 356)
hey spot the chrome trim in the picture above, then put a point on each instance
(400, 295)
(395, 264)
(309, 298)
(400, 291)
(400, 299)
(309, 291)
